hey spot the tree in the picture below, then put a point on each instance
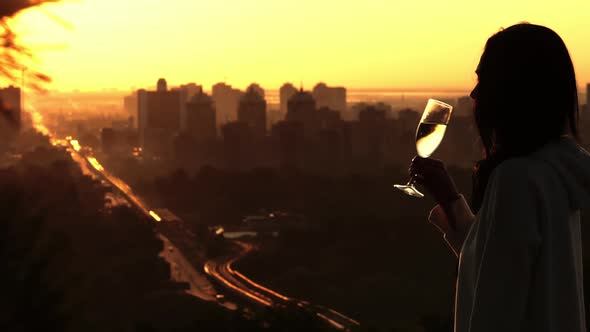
(14, 56)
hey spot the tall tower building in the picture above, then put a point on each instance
(331, 97)
(200, 117)
(159, 117)
(252, 110)
(289, 144)
(226, 101)
(588, 97)
(162, 85)
(191, 89)
(256, 87)
(286, 92)
(238, 145)
(130, 106)
(302, 108)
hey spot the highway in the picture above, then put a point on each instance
(221, 269)
(182, 270)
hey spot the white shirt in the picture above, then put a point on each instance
(520, 266)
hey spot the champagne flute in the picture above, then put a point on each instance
(429, 135)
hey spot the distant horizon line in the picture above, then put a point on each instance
(393, 89)
(581, 90)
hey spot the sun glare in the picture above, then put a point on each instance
(97, 44)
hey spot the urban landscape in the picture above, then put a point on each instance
(192, 206)
(229, 200)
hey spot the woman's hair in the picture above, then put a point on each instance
(526, 97)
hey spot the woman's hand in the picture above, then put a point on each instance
(453, 216)
(433, 175)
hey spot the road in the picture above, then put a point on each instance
(221, 269)
(182, 270)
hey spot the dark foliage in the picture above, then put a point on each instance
(68, 262)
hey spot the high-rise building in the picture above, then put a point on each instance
(159, 117)
(302, 108)
(162, 85)
(328, 119)
(252, 110)
(331, 97)
(191, 89)
(256, 87)
(289, 144)
(238, 145)
(286, 92)
(226, 101)
(408, 119)
(130, 106)
(200, 117)
(184, 149)
(588, 97)
(368, 142)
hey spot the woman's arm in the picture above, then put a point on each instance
(462, 219)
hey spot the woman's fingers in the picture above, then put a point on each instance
(418, 178)
(426, 161)
(425, 164)
(426, 170)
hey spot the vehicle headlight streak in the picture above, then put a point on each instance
(95, 164)
(155, 216)
(76, 145)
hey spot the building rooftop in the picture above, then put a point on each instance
(302, 97)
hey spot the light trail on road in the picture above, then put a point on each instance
(155, 216)
(225, 273)
(211, 269)
(200, 286)
(234, 280)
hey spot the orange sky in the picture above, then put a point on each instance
(419, 44)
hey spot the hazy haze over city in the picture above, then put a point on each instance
(419, 45)
(230, 166)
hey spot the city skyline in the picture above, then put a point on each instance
(231, 166)
(385, 46)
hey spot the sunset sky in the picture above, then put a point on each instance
(419, 44)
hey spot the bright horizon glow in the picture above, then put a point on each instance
(414, 45)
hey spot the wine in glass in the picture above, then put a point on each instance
(429, 135)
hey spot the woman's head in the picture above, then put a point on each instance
(526, 96)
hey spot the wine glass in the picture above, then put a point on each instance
(429, 135)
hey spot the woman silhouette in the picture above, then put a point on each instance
(519, 245)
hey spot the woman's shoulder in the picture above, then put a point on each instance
(523, 171)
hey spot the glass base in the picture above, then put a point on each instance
(409, 190)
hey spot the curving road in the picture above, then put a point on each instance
(181, 268)
(220, 270)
